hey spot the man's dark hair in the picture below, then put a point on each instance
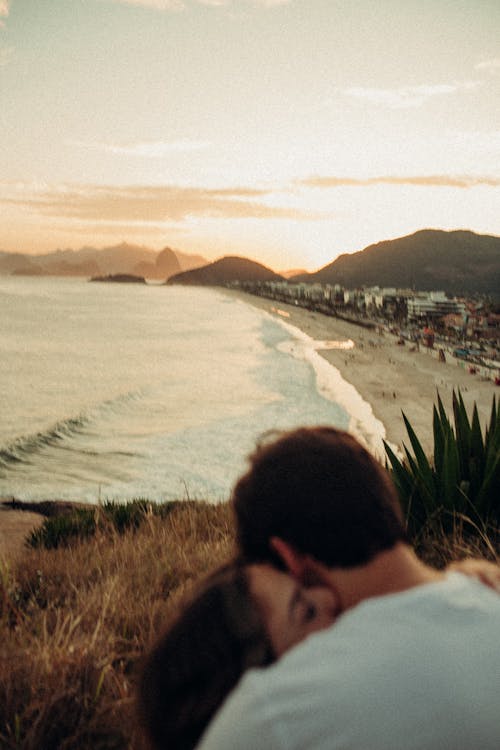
(320, 490)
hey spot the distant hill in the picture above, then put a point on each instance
(229, 268)
(456, 262)
(90, 261)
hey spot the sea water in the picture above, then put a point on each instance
(121, 391)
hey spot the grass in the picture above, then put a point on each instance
(75, 620)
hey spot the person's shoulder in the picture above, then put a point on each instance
(239, 722)
(470, 591)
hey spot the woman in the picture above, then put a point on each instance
(242, 617)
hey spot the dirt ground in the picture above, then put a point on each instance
(15, 525)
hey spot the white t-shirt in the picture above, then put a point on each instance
(418, 669)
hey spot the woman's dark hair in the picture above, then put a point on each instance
(320, 490)
(199, 660)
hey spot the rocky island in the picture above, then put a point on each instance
(121, 278)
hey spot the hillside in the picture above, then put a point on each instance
(224, 270)
(456, 262)
(91, 261)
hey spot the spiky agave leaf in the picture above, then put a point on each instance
(449, 478)
(424, 467)
(464, 476)
(462, 433)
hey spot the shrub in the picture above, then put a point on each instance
(61, 530)
(82, 523)
(461, 479)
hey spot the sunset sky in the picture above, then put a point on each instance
(285, 130)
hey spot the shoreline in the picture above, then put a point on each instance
(379, 379)
(388, 377)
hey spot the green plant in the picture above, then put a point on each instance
(82, 523)
(462, 478)
(62, 530)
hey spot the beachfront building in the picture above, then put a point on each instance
(388, 302)
(315, 293)
(354, 298)
(483, 326)
(431, 306)
(334, 294)
(455, 322)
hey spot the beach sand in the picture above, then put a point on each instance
(15, 525)
(391, 378)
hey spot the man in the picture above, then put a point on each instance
(412, 662)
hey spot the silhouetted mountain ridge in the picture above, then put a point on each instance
(227, 269)
(457, 261)
(90, 261)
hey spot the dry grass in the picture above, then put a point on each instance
(74, 623)
(456, 537)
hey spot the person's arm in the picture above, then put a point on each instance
(486, 572)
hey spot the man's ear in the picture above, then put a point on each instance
(293, 560)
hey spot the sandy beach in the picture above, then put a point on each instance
(15, 525)
(391, 378)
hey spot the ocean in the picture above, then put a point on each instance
(122, 391)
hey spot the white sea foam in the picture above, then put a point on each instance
(331, 385)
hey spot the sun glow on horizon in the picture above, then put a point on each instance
(287, 131)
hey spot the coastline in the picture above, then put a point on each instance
(379, 380)
(390, 378)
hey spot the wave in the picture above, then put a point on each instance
(20, 450)
(23, 448)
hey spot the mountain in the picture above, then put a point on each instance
(293, 272)
(224, 270)
(189, 261)
(120, 258)
(91, 261)
(456, 262)
(10, 262)
(166, 264)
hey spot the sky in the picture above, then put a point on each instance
(288, 131)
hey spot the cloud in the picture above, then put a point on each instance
(490, 66)
(271, 3)
(6, 55)
(478, 143)
(150, 204)
(418, 181)
(176, 5)
(155, 4)
(214, 3)
(146, 149)
(4, 11)
(406, 97)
